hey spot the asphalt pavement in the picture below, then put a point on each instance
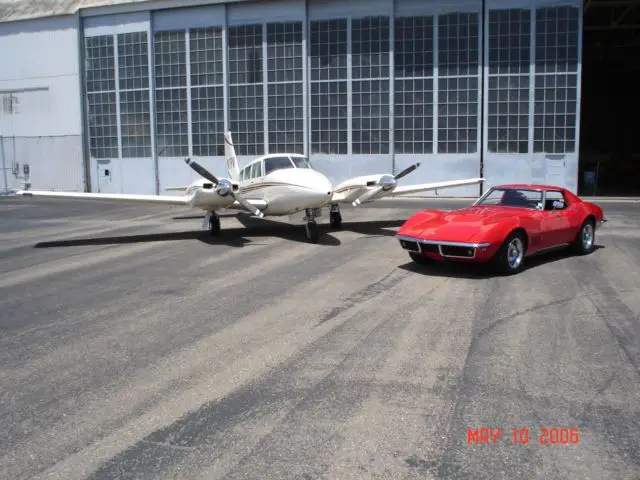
(133, 345)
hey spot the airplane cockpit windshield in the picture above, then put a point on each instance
(278, 163)
(301, 162)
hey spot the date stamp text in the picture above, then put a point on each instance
(523, 436)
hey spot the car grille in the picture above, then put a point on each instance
(456, 251)
(412, 246)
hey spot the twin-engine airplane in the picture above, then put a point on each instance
(271, 185)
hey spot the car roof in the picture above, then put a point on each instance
(529, 186)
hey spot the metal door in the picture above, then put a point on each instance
(555, 170)
(106, 183)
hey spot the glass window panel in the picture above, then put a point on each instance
(205, 55)
(370, 128)
(370, 47)
(413, 47)
(553, 133)
(329, 125)
(135, 123)
(133, 60)
(328, 51)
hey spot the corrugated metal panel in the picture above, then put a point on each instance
(258, 12)
(110, 24)
(183, 18)
(55, 163)
(330, 9)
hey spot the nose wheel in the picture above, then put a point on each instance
(214, 224)
(335, 219)
(310, 227)
(311, 230)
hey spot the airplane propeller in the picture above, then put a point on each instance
(386, 182)
(223, 186)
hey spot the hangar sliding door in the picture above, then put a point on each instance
(437, 91)
(532, 92)
(118, 103)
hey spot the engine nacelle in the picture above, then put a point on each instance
(224, 187)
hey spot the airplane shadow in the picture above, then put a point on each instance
(481, 271)
(236, 236)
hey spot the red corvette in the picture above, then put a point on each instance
(502, 227)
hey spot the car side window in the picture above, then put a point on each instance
(555, 201)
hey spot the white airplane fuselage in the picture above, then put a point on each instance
(285, 191)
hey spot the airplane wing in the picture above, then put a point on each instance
(424, 187)
(113, 197)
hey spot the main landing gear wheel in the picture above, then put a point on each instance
(335, 219)
(509, 259)
(214, 225)
(311, 230)
(585, 241)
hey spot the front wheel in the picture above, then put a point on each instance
(311, 230)
(585, 241)
(510, 258)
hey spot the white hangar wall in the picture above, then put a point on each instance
(365, 86)
(40, 104)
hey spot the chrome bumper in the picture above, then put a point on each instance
(415, 245)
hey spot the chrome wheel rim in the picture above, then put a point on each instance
(515, 252)
(587, 236)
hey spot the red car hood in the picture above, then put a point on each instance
(463, 225)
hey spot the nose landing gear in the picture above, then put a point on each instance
(335, 219)
(311, 228)
(214, 224)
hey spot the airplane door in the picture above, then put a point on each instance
(256, 178)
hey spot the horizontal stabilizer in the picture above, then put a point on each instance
(111, 197)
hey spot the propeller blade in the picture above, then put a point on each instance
(247, 205)
(407, 171)
(366, 196)
(201, 170)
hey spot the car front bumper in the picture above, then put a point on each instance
(446, 250)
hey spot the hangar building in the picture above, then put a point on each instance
(112, 95)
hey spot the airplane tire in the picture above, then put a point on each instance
(214, 226)
(335, 219)
(586, 239)
(311, 229)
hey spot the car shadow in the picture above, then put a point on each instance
(237, 236)
(480, 271)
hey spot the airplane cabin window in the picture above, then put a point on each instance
(255, 170)
(276, 163)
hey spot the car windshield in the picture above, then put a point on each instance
(301, 162)
(276, 163)
(512, 197)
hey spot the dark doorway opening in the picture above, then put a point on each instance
(610, 104)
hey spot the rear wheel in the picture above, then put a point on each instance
(585, 241)
(510, 258)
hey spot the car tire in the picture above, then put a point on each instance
(509, 259)
(420, 259)
(586, 238)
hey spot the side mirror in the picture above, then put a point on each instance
(558, 204)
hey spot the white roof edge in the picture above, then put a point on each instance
(22, 10)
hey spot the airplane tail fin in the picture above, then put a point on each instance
(230, 155)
